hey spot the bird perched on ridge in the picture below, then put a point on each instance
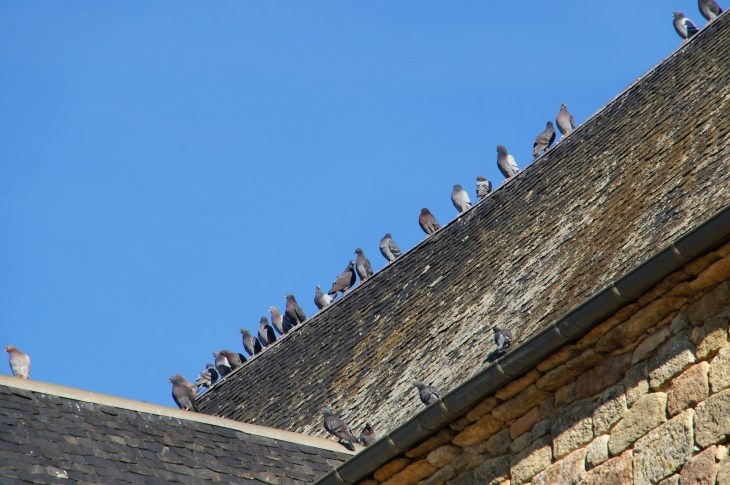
(428, 222)
(19, 362)
(544, 140)
(183, 393)
(322, 300)
(221, 364)
(484, 186)
(506, 162)
(709, 9)
(266, 332)
(250, 343)
(280, 323)
(502, 337)
(565, 121)
(428, 394)
(389, 249)
(460, 198)
(684, 26)
(293, 312)
(235, 360)
(344, 281)
(362, 265)
(337, 428)
(206, 378)
(368, 436)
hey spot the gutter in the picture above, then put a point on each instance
(577, 322)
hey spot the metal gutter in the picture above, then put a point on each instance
(577, 322)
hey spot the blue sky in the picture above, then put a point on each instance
(169, 170)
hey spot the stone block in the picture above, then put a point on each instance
(712, 338)
(679, 323)
(558, 358)
(636, 382)
(521, 443)
(520, 404)
(724, 250)
(698, 265)
(567, 471)
(597, 452)
(723, 472)
(610, 407)
(547, 407)
(664, 450)
(499, 443)
(673, 480)
(531, 461)
(442, 437)
(719, 373)
(443, 455)
(572, 427)
(412, 474)
(715, 273)
(663, 287)
(671, 359)
(616, 471)
(540, 429)
(602, 376)
(586, 360)
(647, 347)
(564, 396)
(712, 422)
(603, 328)
(438, 478)
(391, 468)
(710, 305)
(490, 472)
(557, 378)
(482, 409)
(479, 431)
(524, 423)
(517, 386)
(701, 469)
(646, 414)
(460, 424)
(688, 389)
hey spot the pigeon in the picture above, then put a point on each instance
(234, 360)
(221, 364)
(428, 222)
(344, 281)
(544, 140)
(684, 26)
(337, 428)
(206, 378)
(428, 394)
(250, 343)
(293, 312)
(709, 9)
(565, 121)
(362, 265)
(506, 163)
(389, 249)
(183, 393)
(502, 337)
(19, 362)
(266, 332)
(368, 435)
(484, 186)
(281, 324)
(460, 198)
(321, 299)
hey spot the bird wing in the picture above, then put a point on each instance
(512, 163)
(300, 313)
(690, 27)
(394, 249)
(337, 427)
(368, 267)
(572, 122)
(257, 346)
(271, 336)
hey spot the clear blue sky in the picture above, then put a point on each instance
(169, 170)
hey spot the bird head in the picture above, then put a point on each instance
(273, 310)
(209, 365)
(563, 106)
(501, 150)
(289, 297)
(549, 124)
(174, 380)
(388, 235)
(351, 264)
(10, 348)
(246, 331)
(457, 186)
(418, 384)
(216, 354)
(264, 321)
(368, 425)
(358, 251)
(481, 178)
(325, 410)
(425, 211)
(678, 15)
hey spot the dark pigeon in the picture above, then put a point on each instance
(322, 300)
(19, 362)
(183, 393)
(293, 312)
(684, 26)
(428, 394)
(368, 435)
(506, 162)
(206, 378)
(281, 324)
(250, 343)
(502, 337)
(235, 360)
(362, 265)
(484, 187)
(565, 121)
(544, 140)
(344, 281)
(460, 199)
(428, 222)
(221, 364)
(709, 9)
(266, 332)
(389, 249)
(337, 428)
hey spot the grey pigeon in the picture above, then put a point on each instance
(322, 300)
(362, 265)
(250, 343)
(206, 378)
(389, 249)
(183, 393)
(368, 436)
(19, 362)
(484, 186)
(428, 222)
(337, 428)
(502, 337)
(544, 139)
(221, 364)
(506, 162)
(293, 312)
(235, 360)
(684, 26)
(709, 9)
(565, 121)
(266, 332)
(460, 199)
(344, 281)
(428, 394)
(280, 323)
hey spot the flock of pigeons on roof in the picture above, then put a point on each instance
(185, 393)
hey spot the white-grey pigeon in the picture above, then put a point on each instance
(389, 249)
(293, 311)
(19, 362)
(362, 265)
(250, 343)
(428, 394)
(428, 222)
(322, 300)
(221, 364)
(709, 9)
(206, 378)
(266, 332)
(460, 199)
(344, 281)
(183, 393)
(544, 140)
(565, 121)
(684, 26)
(502, 337)
(368, 436)
(484, 186)
(280, 323)
(337, 428)
(506, 162)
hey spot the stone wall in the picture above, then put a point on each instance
(643, 398)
